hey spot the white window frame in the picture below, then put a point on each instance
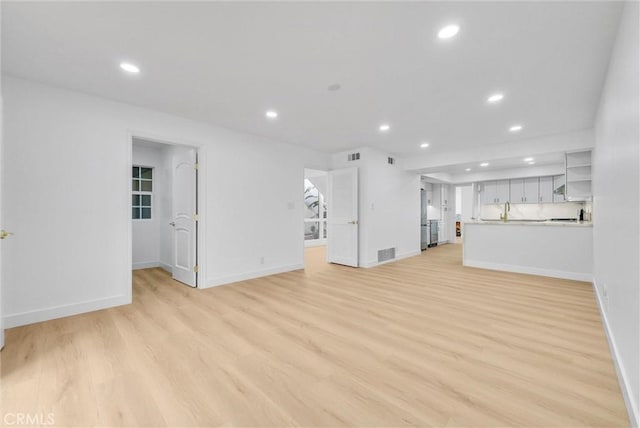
(143, 193)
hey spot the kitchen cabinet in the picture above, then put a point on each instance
(495, 192)
(558, 188)
(545, 193)
(502, 191)
(524, 190)
(488, 192)
(444, 194)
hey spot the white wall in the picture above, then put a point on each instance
(66, 185)
(616, 205)
(389, 206)
(466, 201)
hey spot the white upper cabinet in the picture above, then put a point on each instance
(502, 191)
(545, 193)
(495, 192)
(444, 195)
(489, 192)
(531, 190)
(516, 195)
(524, 190)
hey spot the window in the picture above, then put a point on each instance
(315, 216)
(142, 187)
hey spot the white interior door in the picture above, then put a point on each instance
(185, 216)
(2, 235)
(342, 242)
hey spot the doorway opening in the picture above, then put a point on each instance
(315, 220)
(464, 209)
(164, 208)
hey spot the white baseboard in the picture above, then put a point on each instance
(632, 408)
(315, 243)
(149, 265)
(374, 263)
(47, 314)
(578, 276)
(144, 265)
(214, 282)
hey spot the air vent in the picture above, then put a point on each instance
(391, 161)
(353, 157)
(386, 254)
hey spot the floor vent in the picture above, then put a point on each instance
(353, 157)
(386, 254)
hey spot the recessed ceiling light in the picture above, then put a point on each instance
(129, 67)
(271, 114)
(515, 128)
(448, 31)
(528, 159)
(424, 145)
(468, 169)
(532, 163)
(484, 164)
(495, 98)
(384, 127)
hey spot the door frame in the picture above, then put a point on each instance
(201, 195)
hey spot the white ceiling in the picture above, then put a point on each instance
(556, 158)
(226, 63)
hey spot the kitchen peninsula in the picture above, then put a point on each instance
(548, 248)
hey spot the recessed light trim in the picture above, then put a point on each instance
(468, 169)
(384, 127)
(448, 31)
(515, 128)
(495, 98)
(129, 68)
(483, 164)
(424, 145)
(528, 159)
(271, 114)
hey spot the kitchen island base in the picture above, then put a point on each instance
(555, 250)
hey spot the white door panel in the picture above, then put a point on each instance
(1, 322)
(184, 216)
(342, 242)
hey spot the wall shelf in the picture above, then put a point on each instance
(578, 176)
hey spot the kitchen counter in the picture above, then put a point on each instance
(547, 248)
(532, 223)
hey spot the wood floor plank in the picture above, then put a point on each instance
(420, 342)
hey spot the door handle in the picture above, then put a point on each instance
(173, 223)
(353, 222)
(4, 234)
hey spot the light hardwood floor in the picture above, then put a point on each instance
(422, 342)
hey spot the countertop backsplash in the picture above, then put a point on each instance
(537, 211)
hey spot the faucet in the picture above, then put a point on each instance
(507, 208)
